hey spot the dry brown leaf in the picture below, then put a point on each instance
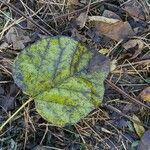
(132, 43)
(112, 28)
(134, 8)
(110, 14)
(17, 38)
(145, 94)
(135, 44)
(81, 20)
(138, 128)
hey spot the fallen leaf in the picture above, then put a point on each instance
(134, 8)
(113, 65)
(110, 14)
(138, 128)
(65, 78)
(145, 94)
(104, 51)
(144, 143)
(17, 37)
(134, 44)
(81, 19)
(112, 28)
(139, 26)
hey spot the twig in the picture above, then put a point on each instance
(12, 116)
(122, 114)
(22, 14)
(116, 88)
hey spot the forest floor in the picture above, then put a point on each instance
(124, 116)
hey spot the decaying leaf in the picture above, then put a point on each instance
(110, 14)
(63, 76)
(145, 94)
(112, 28)
(81, 20)
(145, 141)
(16, 37)
(138, 128)
(134, 8)
(136, 45)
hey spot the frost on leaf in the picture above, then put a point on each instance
(63, 76)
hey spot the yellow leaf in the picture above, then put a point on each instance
(104, 51)
(138, 128)
(113, 65)
(145, 94)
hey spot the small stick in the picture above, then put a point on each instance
(116, 88)
(25, 16)
(124, 115)
(3, 125)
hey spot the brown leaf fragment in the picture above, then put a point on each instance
(134, 9)
(112, 28)
(81, 20)
(110, 14)
(145, 94)
(17, 38)
(134, 44)
(145, 141)
(100, 62)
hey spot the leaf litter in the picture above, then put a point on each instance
(63, 19)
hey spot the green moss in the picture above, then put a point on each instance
(55, 72)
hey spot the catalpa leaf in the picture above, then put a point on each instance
(64, 77)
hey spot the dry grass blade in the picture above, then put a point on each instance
(22, 14)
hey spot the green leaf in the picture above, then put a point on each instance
(64, 77)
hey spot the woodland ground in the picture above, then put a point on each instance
(110, 127)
